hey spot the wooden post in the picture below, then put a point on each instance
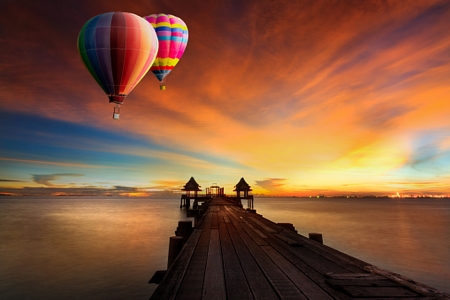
(288, 226)
(316, 237)
(175, 246)
(184, 229)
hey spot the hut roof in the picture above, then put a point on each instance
(191, 185)
(242, 185)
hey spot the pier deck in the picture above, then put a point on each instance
(236, 254)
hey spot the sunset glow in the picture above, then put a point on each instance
(298, 97)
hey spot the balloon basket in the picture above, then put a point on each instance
(116, 113)
(162, 87)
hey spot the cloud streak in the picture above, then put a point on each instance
(272, 184)
(10, 180)
(47, 179)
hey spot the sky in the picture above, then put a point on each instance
(298, 97)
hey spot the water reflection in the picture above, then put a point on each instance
(84, 248)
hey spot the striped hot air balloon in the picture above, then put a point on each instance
(118, 49)
(172, 34)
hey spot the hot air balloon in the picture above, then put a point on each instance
(172, 34)
(118, 49)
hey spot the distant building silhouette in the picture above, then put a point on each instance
(191, 188)
(243, 186)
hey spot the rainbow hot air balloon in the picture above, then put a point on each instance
(172, 34)
(118, 49)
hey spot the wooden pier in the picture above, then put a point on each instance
(233, 253)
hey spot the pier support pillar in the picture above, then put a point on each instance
(184, 229)
(175, 246)
(316, 237)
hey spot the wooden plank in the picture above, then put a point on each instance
(323, 264)
(207, 218)
(264, 226)
(230, 207)
(233, 216)
(214, 208)
(319, 260)
(417, 287)
(170, 284)
(356, 282)
(304, 283)
(239, 221)
(214, 283)
(192, 285)
(285, 288)
(254, 235)
(235, 280)
(317, 264)
(234, 209)
(393, 298)
(355, 276)
(378, 292)
(262, 235)
(309, 271)
(288, 240)
(220, 216)
(359, 279)
(257, 281)
(214, 220)
(349, 263)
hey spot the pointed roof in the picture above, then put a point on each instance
(242, 185)
(191, 185)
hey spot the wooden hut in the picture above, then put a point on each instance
(191, 189)
(243, 186)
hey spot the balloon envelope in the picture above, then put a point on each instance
(172, 35)
(118, 49)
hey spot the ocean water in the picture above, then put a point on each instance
(108, 248)
(83, 248)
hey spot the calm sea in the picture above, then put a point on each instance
(108, 248)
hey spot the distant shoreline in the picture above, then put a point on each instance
(176, 196)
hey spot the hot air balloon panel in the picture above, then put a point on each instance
(172, 34)
(118, 49)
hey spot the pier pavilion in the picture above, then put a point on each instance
(191, 189)
(243, 186)
(215, 191)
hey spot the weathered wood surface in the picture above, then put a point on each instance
(236, 254)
